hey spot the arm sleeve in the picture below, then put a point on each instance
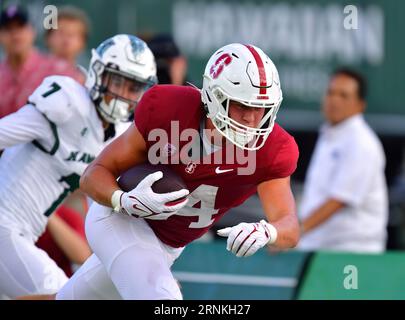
(285, 161)
(25, 125)
(143, 112)
(354, 174)
(52, 99)
(162, 104)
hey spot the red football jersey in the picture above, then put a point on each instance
(215, 186)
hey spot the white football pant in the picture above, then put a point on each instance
(24, 268)
(129, 261)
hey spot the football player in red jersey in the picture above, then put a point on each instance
(135, 235)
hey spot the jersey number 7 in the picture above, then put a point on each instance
(54, 87)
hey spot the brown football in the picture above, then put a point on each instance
(170, 182)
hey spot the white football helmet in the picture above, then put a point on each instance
(242, 73)
(118, 60)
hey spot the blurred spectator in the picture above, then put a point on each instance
(70, 38)
(64, 239)
(344, 205)
(66, 43)
(171, 64)
(24, 67)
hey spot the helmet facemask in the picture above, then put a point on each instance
(247, 138)
(119, 94)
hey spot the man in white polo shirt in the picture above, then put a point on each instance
(344, 205)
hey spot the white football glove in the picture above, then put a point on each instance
(245, 239)
(142, 202)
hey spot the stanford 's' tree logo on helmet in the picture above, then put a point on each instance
(219, 65)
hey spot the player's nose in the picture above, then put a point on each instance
(249, 117)
(131, 94)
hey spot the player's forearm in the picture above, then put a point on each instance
(279, 207)
(69, 241)
(322, 214)
(288, 231)
(99, 183)
(99, 179)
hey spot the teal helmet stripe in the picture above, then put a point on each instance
(104, 46)
(137, 45)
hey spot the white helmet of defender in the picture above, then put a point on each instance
(242, 73)
(122, 58)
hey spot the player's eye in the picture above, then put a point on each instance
(116, 80)
(245, 108)
(136, 87)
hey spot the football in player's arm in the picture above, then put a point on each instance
(236, 108)
(99, 181)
